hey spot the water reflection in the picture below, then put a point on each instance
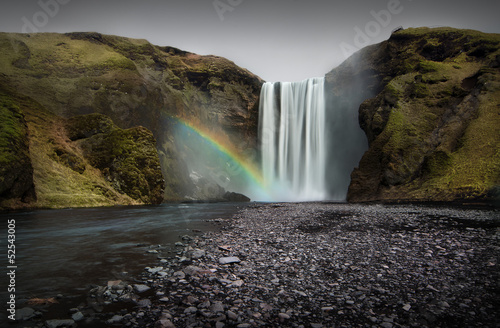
(62, 251)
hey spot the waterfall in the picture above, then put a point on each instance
(292, 139)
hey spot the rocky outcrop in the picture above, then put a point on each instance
(134, 83)
(49, 161)
(127, 158)
(432, 122)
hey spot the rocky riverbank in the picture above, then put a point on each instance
(317, 265)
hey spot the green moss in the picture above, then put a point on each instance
(426, 66)
(115, 63)
(128, 158)
(398, 128)
(436, 164)
(418, 90)
(81, 127)
(12, 129)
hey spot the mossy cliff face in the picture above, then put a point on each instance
(16, 171)
(127, 158)
(135, 83)
(433, 124)
(52, 162)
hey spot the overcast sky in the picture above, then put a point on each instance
(278, 40)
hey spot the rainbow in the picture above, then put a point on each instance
(252, 172)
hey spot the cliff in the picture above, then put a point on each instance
(430, 101)
(139, 90)
(51, 162)
(90, 120)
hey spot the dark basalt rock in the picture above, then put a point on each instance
(235, 197)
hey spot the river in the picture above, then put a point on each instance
(63, 252)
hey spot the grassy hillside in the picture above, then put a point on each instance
(133, 83)
(60, 172)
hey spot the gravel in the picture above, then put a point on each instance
(320, 265)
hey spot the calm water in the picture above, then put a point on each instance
(65, 251)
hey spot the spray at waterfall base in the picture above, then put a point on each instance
(309, 144)
(214, 165)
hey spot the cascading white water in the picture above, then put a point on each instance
(293, 143)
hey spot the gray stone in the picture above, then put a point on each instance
(217, 307)
(179, 275)
(231, 315)
(191, 309)
(198, 254)
(25, 313)
(192, 270)
(229, 260)
(164, 323)
(115, 319)
(78, 316)
(141, 288)
(144, 303)
(56, 323)
(283, 316)
(237, 283)
(154, 270)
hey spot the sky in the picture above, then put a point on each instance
(278, 40)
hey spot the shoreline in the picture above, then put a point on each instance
(491, 203)
(319, 265)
